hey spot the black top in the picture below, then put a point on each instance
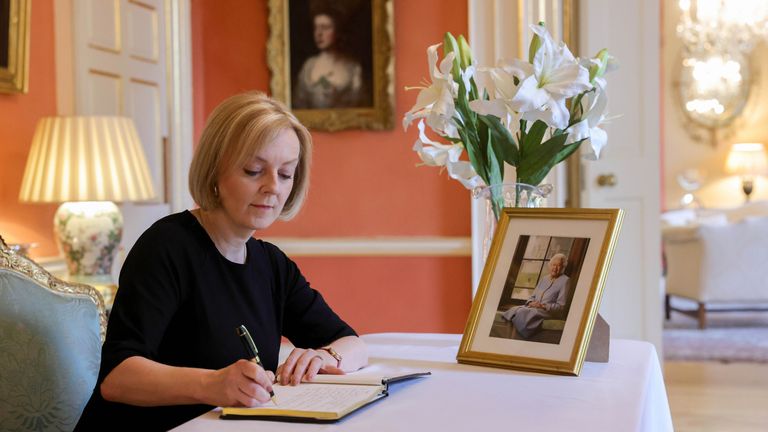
(179, 303)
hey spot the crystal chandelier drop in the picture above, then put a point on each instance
(722, 25)
(718, 37)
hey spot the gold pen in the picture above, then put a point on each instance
(252, 351)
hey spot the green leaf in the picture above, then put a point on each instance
(495, 176)
(495, 163)
(536, 177)
(567, 151)
(533, 137)
(502, 138)
(476, 155)
(541, 158)
(462, 103)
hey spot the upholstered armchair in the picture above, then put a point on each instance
(718, 260)
(50, 346)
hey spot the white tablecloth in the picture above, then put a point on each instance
(625, 394)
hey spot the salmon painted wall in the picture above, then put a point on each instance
(18, 116)
(363, 183)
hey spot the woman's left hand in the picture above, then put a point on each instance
(304, 364)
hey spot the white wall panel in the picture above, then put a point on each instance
(142, 32)
(104, 94)
(102, 18)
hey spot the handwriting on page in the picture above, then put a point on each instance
(322, 397)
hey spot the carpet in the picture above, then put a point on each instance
(729, 336)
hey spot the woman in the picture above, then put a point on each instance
(330, 79)
(171, 351)
(548, 300)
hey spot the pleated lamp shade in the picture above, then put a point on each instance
(98, 158)
(87, 163)
(747, 159)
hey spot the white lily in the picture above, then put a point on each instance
(433, 153)
(541, 88)
(465, 174)
(588, 128)
(556, 76)
(436, 100)
(499, 83)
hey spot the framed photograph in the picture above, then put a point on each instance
(332, 61)
(540, 290)
(14, 45)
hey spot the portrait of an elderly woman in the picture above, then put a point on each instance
(547, 301)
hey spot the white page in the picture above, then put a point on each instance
(371, 375)
(321, 397)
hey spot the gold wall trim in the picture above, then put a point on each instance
(375, 246)
(573, 163)
(142, 4)
(143, 59)
(145, 82)
(104, 73)
(104, 48)
(350, 247)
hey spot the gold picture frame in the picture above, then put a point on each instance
(506, 327)
(292, 52)
(14, 46)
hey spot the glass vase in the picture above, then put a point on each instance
(497, 196)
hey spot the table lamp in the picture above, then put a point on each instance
(87, 162)
(747, 160)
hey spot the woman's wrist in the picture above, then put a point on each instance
(328, 359)
(331, 352)
(202, 383)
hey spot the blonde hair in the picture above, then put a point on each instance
(235, 131)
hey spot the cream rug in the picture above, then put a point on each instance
(729, 336)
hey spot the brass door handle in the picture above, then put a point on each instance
(606, 180)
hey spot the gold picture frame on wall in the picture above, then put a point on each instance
(14, 45)
(332, 63)
(540, 291)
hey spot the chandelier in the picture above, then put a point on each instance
(718, 37)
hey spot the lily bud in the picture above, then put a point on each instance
(534, 46)
(598, 70)
(451, 46)
(466, 52)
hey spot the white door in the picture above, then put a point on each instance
(119, 65)
(630, 30)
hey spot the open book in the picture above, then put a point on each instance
(327, 398)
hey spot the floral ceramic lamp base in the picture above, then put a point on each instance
(88, 235)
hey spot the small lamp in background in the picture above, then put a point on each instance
(87, 162)
(747, 160)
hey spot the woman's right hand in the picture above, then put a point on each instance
(243, 383)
